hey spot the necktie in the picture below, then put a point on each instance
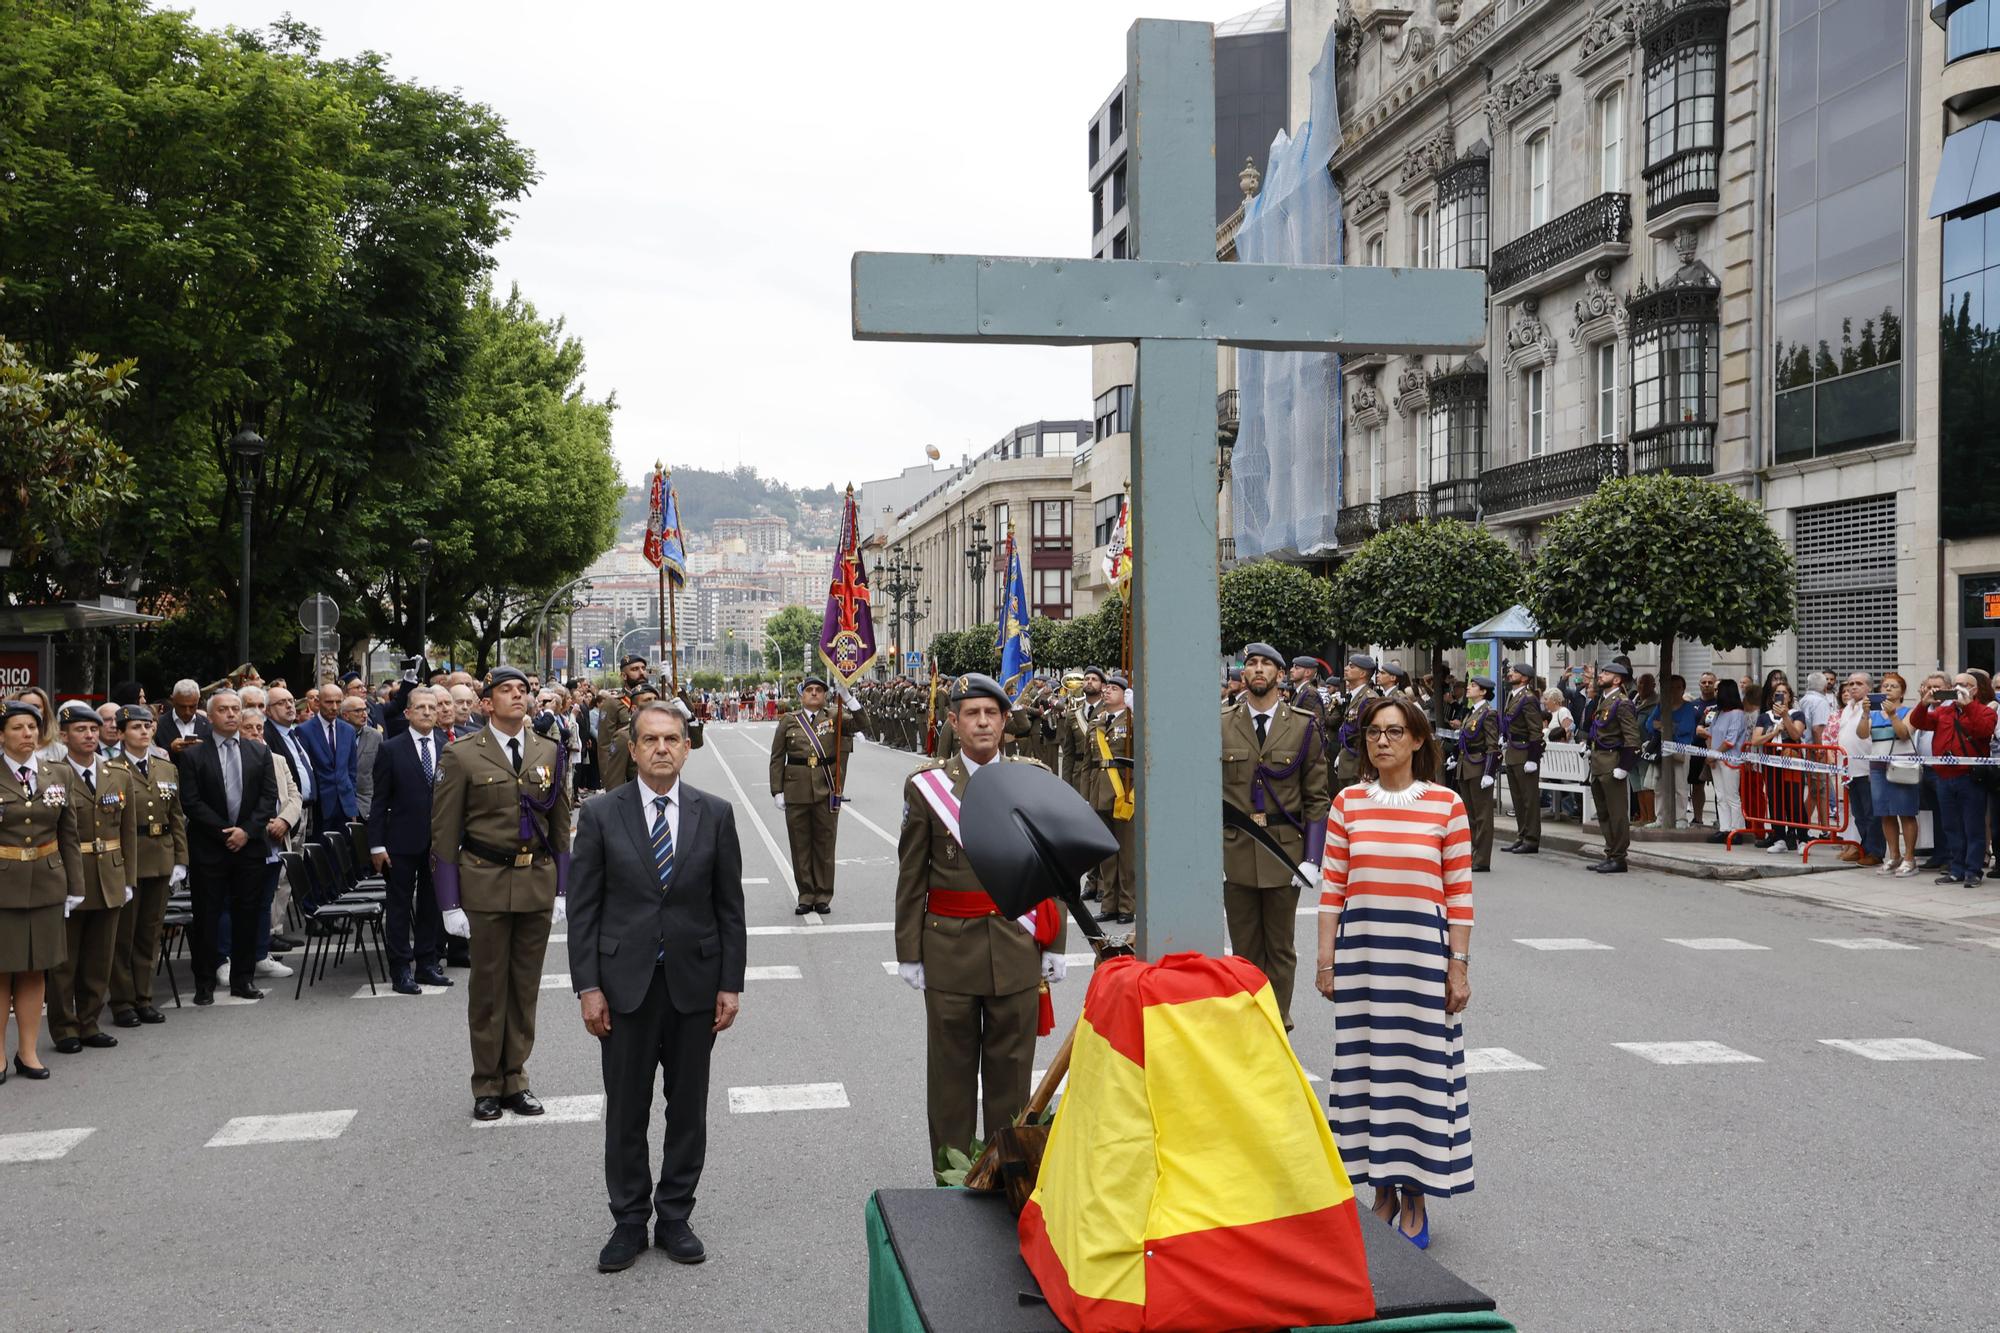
(27, 780)
(1263, 720)
(424, 752)
(142, 770)
(90, 780)
(232, 776)
(329, 738)
(514, 749)
(663, 842)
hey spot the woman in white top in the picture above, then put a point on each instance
(1560, 726)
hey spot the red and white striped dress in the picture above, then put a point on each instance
(1398, 870)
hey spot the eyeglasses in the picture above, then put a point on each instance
(1386, 733)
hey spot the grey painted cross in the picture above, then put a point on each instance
(1176, 301)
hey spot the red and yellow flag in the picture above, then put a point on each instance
(1190, 1181)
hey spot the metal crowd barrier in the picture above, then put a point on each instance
(1797, 787)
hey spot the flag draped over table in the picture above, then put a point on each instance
(847, 633)
(1118, 552)
(665, 550)
(1017, 658)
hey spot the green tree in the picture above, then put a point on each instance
(1636, 564)
(1286, 606)
(61, 475)
(958, 651)
(788, 635)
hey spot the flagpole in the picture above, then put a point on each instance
(674, 624)
(659, 469)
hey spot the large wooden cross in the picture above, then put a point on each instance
(1177, 302)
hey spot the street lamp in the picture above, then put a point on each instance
(900, 580)
(422, 546)
(247, 448)
(977, 556)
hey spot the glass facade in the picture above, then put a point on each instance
(1683, 104)
(1969, 375)
(1842, 195)
(1972, 27)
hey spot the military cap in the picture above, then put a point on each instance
(76, 710)
(813, 678)
(1235, 675)
(975, 685)
(1396, 669)
(1617, 666)
(629, 659)
(1483, 682)
(1306, 660)
(500, 676)
(21, 708)
(1516, 669)
(131, 713)
(1096, 671)
(1251, 650)
(1118, 678)
(1362, 662)
(1030, 836)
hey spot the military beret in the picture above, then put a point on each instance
(1361, 661)
(1396, 669)
(632, 692)
(1306, 660)
(813, 679)
(131, 713)
(1617, 666)
(76, 710)
(1118, 678)
(975, 685)
(1251, 650)
(1516, 669)
(21, 708)
(1235, 676)
(1096, 671)
(629, 659)
(500, 676)
(1483, 682)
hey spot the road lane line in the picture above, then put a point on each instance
(41, 1146)
(845, 927)
(1549, 945)
(788, 1097)
(1721, 943)
(1868, 942)
(1687, 1053)
(1897, 1048)
(756, 818)
(299, 1128)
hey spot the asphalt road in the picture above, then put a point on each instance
(1794, 1185)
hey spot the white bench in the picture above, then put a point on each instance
(1565, 767)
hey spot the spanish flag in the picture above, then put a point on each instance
(1190, 1181)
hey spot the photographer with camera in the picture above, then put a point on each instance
(1961, 723)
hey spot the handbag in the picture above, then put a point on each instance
(1905, 773)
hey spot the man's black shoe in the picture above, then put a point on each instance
(148, 1014)
(488, 1108)
(246, 991)
(522, 1103)
(1126, 918)
(1513, 846)
(405, 984)
(69, 1046)
(803, 909)
(100, 1041)
(627, 1243)
(1612, 867)
(127, 1019)
(432, 976)
(204, 995)
(1107, 916)
(679, 1241)
(284, 942)
(823, 908)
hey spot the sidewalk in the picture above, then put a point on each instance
(1824, 878)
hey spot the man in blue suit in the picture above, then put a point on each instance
(330, 743)
(399, 842)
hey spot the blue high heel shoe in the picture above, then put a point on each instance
(1422, 1240)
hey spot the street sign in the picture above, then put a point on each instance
(913, 662)
(319, 612)
(594, 657)
(313, 645)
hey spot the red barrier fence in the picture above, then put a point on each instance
(1777, 799)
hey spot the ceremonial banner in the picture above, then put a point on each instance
(656, 509)
(673, 550)
(1017, 658)
(1118, 551)
(847, 633)
(1190, 1180)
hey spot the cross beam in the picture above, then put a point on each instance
(1176, 302)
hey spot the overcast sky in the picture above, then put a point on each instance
(708, 169)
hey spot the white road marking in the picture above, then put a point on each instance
(788, 1097)
(871, 825)
(1556, 944)
(1496, 1060)
(223, 997)
(1687, 1053)
(1719, 943)
(306, 1125)
(558, 939)
(1073, 959)
(779, 972)
(555, 981)
(760, 879)
(555, 1111)
(1990, 941)
(382, 991)
(42, 1145)
(756, 817)
(845, 927)
(1897, 1048)
(1868, 942)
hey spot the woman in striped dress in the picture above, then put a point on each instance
(1395, 938)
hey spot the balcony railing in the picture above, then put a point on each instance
(1405, 508)
(1685, 450)
(1356, 524)
(1688, 177)
(1225, 415)
(1455, 499)
(1568, 474)
(1605, 220)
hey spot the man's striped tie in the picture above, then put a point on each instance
(663, 842)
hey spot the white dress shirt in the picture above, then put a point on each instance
(648, 794)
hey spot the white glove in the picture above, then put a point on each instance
(1532, 766)
(456, 923)
(1054, 967)
(778, 799)
(71, 904)
(128, 894)
(179, 876)
(1309, 871)
(913, 973)
(1618, 773)
(562, 912)
(847, 697)
(1486, 781)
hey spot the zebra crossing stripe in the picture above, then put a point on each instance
(1551, 945)
(382, 991)
(1896, 1048)
(298, 1128)
(1719, 943)
(1868, 942)
(788, 1097)
(44, 1145)
(555, 1111)
(1687, 1053)
(1497, 1060)
(777, 972)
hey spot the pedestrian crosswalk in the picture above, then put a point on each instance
(788, 1097)
(46, 1145)
(246, 1130)
(581, 1109)
(1688, 1053)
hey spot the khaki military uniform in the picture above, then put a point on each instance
(506, 884)
(1521, 727)
(1116, 877)
(1479, 756)
(1347, 741)
(802, 760)
(982, 975)
(614, 744)
(1079, 757)
(1287, 777)
(1614, 745)
(162, 844)
(40, 866)
(107, 835)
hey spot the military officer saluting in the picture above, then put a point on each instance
(41, 872)
(1111, 783)
(500, 831)
(162, 857)
(1521, 725)
(1613, 734)
(982, 974)
(1479, 758)
(100, 796)
(1361, 692)
(1273, 768)
(614, 725)
(804, 751)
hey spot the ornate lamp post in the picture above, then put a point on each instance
(900, 581)
(247, 448)
(977, 556)
(422, 546)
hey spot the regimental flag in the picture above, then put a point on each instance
(1017, 658)
(664, 547)
(1190, 1180)
(847, 633)
(1118, 552)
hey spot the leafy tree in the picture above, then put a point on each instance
(60, 474)
(1286, 606)
(1424, 584)
(1636, 564)
(959, 651)
(787, 635)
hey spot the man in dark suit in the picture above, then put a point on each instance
(656, 952)
(184, 727)
(399, 842)
(331, 743)
(229, 792)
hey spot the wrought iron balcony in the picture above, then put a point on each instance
(1355, 524)
(1455, 499)
(1569, 474)
(1684, 450)
(1555, 248)
(1688, 177)
(1405, 508)
(1225, 415)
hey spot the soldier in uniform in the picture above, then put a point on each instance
(614, 724)
(41, 871)
(1274, 769)
(803, 753)
(500, 831)
(1079, 762)
(1521, 726)
(162, 857)
(1306, 696)
(982, 974)
(1479, 758)
(107, 833)
(1360, 693)
(1614, 748)
(1111, 782)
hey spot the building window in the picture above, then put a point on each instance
(1458, 435)
(1377, 461)
(1538, 411)
(1097, 210)
(1117, 189)
(1461, 213)
(1611, 141)
(1118, 246)
(997, 531)
(1052, 524)
(1114, 411)
(1675, 371)
(1117, 119)
(1421, 239)
(1093, 144)
(1607, 392)
(1377, 251)
(1841, 194)
(1052, 593)
(1538, 179)
(1684, 103)
(1969, 374)
(1104, 518)
(1972, 27)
